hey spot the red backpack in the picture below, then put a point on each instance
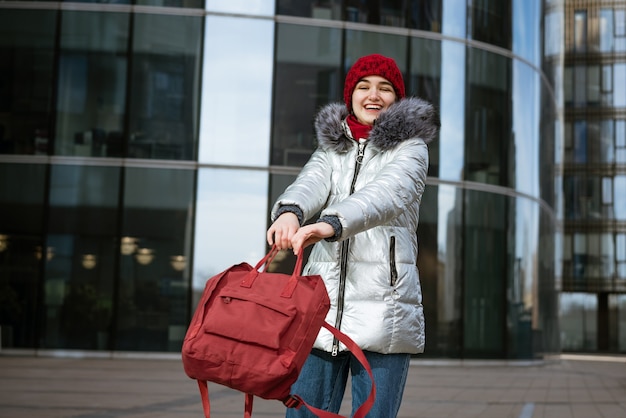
(252, 331)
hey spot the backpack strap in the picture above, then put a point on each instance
(204, 395)
(294, 401)
(206, 405)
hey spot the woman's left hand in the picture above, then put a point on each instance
(310, 234)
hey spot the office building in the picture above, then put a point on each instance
(142, 145)
(593, 298)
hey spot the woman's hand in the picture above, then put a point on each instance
(310, 234)
(282, 230)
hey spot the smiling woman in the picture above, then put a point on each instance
(362, 188)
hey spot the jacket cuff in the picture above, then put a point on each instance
(292, 209)
(334, 222)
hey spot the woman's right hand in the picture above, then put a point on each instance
(282, 230)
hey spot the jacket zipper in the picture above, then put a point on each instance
(344, 252)
(392, 261)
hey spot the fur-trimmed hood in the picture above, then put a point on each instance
(410, 117)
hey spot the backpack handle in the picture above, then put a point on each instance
(291, 284)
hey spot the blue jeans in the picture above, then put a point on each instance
(322, 383)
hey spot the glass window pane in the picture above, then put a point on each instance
(195, 4)
(92, 84)
(526, 175)
(92, 1)
(451, 141)
(392, 12)
(580, 31)
(607, 78)
(306, 77)
(593, 85)
(593, 256)
(593, 199)
(620, 133)
(607, 255)
(568, 85)
(580, 141)
(22, 195)
(620, 247)
(154, 259)
(359, 43)
(165, 87)
(491, 22)
(426, 15)
(567, 246)
(449, 223)
(553, 38)
(425, 81)
(226, 198)
(83, 221)
(580, 85)
(264, 7)
(617, 305)
(620, 44)
(594, 144)
(620, 141)
(619, 185)
(620, 22)
(606, 30)
(489, 127)
(527, 30)
(606, 141)
(324, 9)
(228, 44)
(607, 190)
(577, 315)
(26, 71)
(619, 85)
(607, 85)
(485, 231)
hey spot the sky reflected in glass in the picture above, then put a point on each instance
(452, 133)
(454, 18)
(526, 30)
(230, 221)
(526, 107)
(236, 91)
(256, 7)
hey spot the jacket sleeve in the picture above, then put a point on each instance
(310, 190)
(397, 187)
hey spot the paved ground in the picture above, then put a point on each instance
(62, 387)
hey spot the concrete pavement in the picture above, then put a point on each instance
(136, 386)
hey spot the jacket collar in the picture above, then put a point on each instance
(408, 118)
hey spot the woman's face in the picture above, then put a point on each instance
(372, 95)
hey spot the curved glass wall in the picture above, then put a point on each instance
(487, 228)
(152, 158)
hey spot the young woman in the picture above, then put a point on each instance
(366, 178)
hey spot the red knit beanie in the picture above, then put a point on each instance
(374, 64)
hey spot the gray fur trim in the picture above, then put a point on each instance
(408, 118)
(330, 134)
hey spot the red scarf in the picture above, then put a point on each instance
(358, 129)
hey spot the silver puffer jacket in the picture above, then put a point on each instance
(374, 188)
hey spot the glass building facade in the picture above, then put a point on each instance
(142, 145)
(593, 301)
